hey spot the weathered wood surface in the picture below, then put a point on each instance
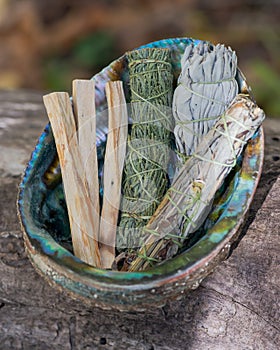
(237, 307)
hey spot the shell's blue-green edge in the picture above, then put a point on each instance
(126, 288)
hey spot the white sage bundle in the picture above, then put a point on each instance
(186, 203)
(206, 87)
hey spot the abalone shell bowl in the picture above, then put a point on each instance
(44, 218)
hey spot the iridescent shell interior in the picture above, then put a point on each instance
(44, 218)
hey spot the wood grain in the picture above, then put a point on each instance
(85, 115)
(83, 228)
(113, 168)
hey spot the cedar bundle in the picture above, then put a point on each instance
(145, 172)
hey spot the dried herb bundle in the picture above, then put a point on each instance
(206, 87)
(145, 178)
(186, 204)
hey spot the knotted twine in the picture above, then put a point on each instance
(186, 203)
(145, 178)
(206, 87)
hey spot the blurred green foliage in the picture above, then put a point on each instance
(93, 52)
(266, 87)
(86, 57)
(56, 74)
(47, 44)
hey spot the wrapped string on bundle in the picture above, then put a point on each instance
(145, 178)
(186, 203)
(206, 87)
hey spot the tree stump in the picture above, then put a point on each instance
(236, 307)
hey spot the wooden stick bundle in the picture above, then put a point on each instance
(76, 146)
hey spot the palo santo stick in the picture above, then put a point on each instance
(113, 168)
(85, 240)
(84, 111)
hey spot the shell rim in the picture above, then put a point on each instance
(134, 280)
